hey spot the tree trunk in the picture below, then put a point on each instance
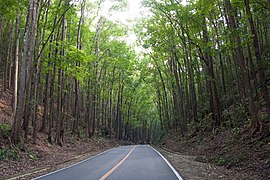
(76, 129)
(16, 64)
(59, 124)
(211, 81)
(16, 135)
(51, 106)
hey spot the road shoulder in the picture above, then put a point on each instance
(188, 167)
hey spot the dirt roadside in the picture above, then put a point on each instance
(191, 169)
(50, 158)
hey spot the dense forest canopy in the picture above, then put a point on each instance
(196, 66)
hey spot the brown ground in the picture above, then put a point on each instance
(5, 107)
(220, 156)
(42, 158)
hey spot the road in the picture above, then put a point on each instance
(122, 163)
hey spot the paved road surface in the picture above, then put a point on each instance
(123, 163)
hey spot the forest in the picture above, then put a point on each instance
(200, 66)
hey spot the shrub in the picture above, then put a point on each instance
(6, 153)
(5, 129)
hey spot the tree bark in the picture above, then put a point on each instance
(16, 64)
(211, 83)
(16, 135)
(59, 124)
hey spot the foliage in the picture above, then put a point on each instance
(193, 46)
(188, 76)
(13, 154)
(9, 8)
(5, 130)
(31, 155)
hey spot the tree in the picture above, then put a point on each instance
(27, 50)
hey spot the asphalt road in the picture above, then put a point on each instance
(122, 163)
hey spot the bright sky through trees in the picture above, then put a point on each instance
(132, 11)
(128, 16)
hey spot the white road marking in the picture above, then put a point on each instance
(172, 168)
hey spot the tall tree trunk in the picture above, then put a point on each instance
(8, 62)
(29, 34)
(59, 124)
(77, 85)
(47, 88)
(38, 63)
(211, 83)
(30, 67)
(46, 103)
(16, 64)
(51, 106)
(6, 58)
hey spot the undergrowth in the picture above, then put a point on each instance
(10, 153)
(16, 153)
(5, 130)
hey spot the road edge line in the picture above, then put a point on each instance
(169, 164)
(92, 157)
